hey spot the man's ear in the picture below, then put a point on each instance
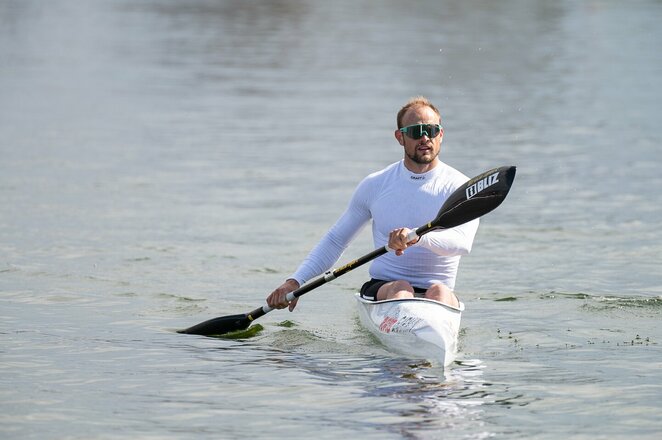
(398, 136)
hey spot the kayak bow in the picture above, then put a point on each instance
(416, 327)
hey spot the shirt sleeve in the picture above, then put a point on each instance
(451, 242)
(336, 240)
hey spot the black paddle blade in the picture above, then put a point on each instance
(219, 326)
(475, 198)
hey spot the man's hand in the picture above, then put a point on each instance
(397, 240)
(278, 300)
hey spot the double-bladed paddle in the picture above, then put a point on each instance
(473, 199)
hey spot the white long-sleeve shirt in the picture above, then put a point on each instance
(394, 198)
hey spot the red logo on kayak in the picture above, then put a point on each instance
(387, 324)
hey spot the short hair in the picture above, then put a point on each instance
(417, 101)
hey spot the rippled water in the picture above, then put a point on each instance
(164, 162)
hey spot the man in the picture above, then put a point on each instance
(397, 199)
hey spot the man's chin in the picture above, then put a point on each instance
(423, 159)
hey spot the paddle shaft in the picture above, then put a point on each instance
(332, 275)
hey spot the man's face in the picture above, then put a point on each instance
(424, 150)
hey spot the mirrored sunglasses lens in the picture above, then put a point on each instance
(414, 131)
(433, 130)
(417, 131)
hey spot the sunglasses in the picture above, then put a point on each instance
(417, 131)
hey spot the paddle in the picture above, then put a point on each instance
(473, 199)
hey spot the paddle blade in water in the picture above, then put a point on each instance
(475, 198)
(219, 326)
(250, 332)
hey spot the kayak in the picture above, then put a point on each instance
(417, 327)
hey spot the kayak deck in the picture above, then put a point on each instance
(415, 327)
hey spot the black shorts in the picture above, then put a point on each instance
(370, 288)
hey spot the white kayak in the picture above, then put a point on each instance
(418, 328)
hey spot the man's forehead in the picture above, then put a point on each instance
(420, 113)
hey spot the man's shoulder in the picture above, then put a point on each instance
(452, 174)
(386, 170)
(373, 182)
(384, 173)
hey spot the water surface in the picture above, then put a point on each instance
(164, 162)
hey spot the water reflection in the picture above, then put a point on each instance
(407, 398)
